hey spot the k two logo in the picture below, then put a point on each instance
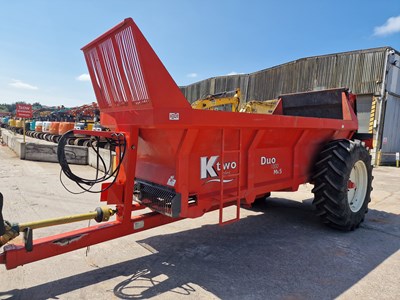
(210, 167)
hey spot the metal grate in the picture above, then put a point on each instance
(116, 67)
(131, 66)
(158, 198)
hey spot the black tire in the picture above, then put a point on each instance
(340, 203)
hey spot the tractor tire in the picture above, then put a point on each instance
(342, 184)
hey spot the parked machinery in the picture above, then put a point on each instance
(219, 101)
(52, 122)
(181, 162)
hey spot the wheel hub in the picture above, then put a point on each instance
(357, 186)
(351, 185)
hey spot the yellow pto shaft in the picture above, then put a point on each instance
(57, 221)
(101, 214)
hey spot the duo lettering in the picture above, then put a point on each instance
(267, 160)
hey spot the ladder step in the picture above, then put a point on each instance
(230, 197)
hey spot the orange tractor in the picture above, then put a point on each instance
(182, 162)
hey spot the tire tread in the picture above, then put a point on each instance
(331, 174)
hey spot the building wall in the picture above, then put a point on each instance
(361, 71)
(215, 85)
(391, 129)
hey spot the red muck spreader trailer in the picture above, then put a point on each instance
(181, 162)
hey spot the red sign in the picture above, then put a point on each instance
(24, 111)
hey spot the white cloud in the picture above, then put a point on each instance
(391, 26)
(22, 85)
(233, 73)
(192, 75)
(83, 77)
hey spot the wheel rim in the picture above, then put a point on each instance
(357, 186)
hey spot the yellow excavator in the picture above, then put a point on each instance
(260, 107)
(221, 102)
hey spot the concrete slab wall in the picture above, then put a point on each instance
(13, 141)
(105, 154)
(38, 152)
(42, 151)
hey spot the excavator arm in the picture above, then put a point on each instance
(213, 102)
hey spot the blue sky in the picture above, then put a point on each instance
(40, 41)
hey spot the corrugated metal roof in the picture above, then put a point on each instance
(361, 71)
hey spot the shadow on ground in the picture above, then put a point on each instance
(283, 253)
